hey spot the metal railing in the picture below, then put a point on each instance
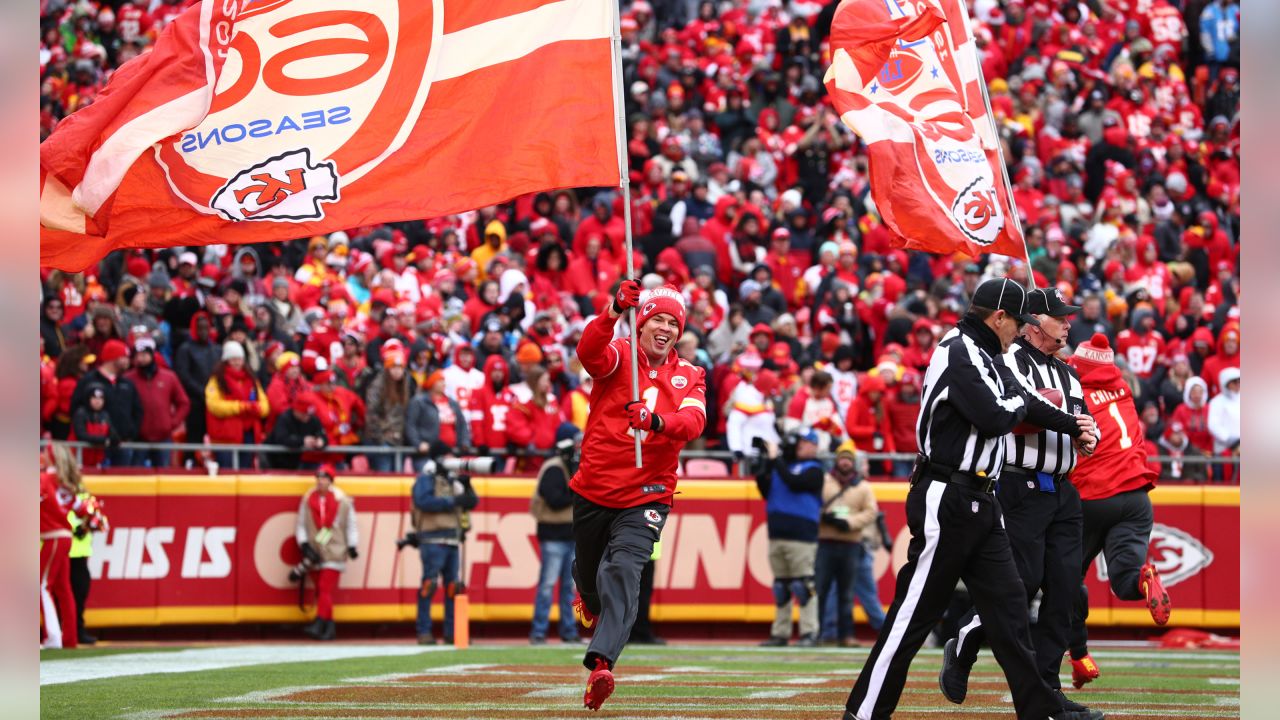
(400, 453)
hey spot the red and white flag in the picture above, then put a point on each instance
(275, 119)
(905, 77)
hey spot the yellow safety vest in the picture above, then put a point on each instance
(80, 546)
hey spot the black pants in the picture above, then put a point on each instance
(642, 630)
(612, 546)
(1118, 527)
(1045, 534)
(80, 589)
(956, 534)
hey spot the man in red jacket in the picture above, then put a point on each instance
(1113, 484)
(619, 509)
(164, 404)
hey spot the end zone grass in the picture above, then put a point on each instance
(682, 682)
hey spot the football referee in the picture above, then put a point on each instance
(1042, 513)
(968, 404)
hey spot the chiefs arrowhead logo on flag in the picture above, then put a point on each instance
(905, 77)
(256, 120)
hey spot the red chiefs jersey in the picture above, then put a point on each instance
(676, 390)
(1142, 352)
(1166, 28)
(132, 22)
(1119, 464)
(55, 501)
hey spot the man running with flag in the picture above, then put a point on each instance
(619, 509)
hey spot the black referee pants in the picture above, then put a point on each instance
(1045, 534)
(612, 547)
(1119, 528)
(956, 533)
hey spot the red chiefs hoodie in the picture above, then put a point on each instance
(1119, 464)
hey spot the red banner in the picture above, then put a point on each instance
(280, 119)
(905, 77)
(218, 550)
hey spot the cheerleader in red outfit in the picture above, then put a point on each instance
(58, 479)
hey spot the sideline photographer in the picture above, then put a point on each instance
(327, 535)
(441, 501)
(791, 484)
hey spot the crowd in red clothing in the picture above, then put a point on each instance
(1119, 123)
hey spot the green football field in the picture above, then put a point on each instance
(680, 681)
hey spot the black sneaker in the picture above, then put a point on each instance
(315, 629)
(807, 641)
(1068, 703)
(953, 678)
(774, 642)
(537, 640)
(85, 638)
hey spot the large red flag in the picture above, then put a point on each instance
(277, 119)
(905, 77)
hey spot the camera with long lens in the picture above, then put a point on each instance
(300, 571)
(481, 465)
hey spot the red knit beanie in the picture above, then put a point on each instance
(665, 299)
(1097, 350)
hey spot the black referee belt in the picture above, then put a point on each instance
(928, 470)
(1058, 480)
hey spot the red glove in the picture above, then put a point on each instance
(641, 418)
(628, 296)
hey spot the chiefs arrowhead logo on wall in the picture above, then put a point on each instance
(1175, 553)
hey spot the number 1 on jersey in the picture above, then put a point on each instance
(1125, 441)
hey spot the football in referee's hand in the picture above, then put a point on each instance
(1053, 395)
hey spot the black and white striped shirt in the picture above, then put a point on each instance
(966, 408)
(1049, 450)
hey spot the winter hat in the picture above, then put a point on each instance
(144, 344)
(431, 380)
(113, 350)
(231, 350)
(665, 299)
(848, 447)
(138, 267)
(529, 354)
(328, 469)
(323, 377)
(287, 359)
(1097, 350)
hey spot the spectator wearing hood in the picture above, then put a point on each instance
(920, 345)
(1224, 420)
(1175, 444)
(435, 425)
(754, 310)
(1193, 413)
(605, 223)
(463, 380)
(903, 407)
(786, 270)
(164, 404)
(495, 242)
(867, 421)
(52, 313)
(341, 412)
(387, 405)
(235, 406)
(1227, 355)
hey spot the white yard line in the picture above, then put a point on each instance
(55, 672)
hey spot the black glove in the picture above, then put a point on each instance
(309, 552)
(352, 553)
(836, 522)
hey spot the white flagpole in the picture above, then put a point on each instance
(624, 177)
(995, 133)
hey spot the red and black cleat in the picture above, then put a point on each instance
(1157, 597)
(582, 614)
(599, 686)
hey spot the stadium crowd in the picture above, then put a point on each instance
(1120, 127)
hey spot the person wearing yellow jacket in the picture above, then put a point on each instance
(82, 530)
(235, 405)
